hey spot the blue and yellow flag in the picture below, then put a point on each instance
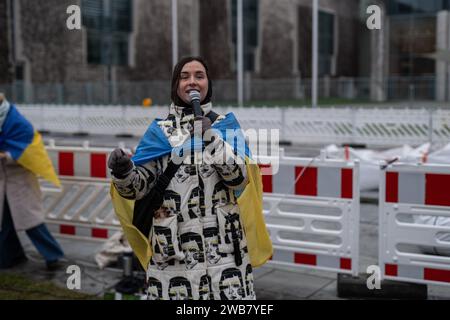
(154, 145)
(25, 145)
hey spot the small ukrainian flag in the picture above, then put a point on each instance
(18, 137)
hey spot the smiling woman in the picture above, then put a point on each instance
(192, 74)
(206, 252)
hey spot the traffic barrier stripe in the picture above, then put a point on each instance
(80, 163)
(418, 188)
(324, 181)
(437, 189)
(98, 165)
(72, 230)
(436, 275)
(347, 183)
(391, 270)
(63, 229)
(100, 233)
(267, 178)
(65, 164)
(309, 259)
(392, 187)
(419, 273)
(346, 263)
(307, 184)
(303, 258)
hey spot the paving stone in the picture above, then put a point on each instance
(290, 283)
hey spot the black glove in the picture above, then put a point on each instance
(120, 163)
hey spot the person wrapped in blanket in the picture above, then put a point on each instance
(22, 159)
(197, 238)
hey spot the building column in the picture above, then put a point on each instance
(195, 28)
(380, 58)
(24, 85)
(442, 43)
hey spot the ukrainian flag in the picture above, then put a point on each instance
(25, 145)
(154, 145)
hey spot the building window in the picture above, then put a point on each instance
(326, 43)
(411, 38)
(399, 7)
(250, 20)
(109, 24)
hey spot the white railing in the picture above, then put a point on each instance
(387, 127)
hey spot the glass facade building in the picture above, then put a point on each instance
(412, 38)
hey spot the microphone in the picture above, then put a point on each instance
(195, 102)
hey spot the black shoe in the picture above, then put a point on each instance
(17, 262)
(53, 265)
(20, 261)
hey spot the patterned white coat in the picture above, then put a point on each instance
(193, 252)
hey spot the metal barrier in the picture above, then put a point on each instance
(414, 200)
(311, 208)
(81, 162)
(371, 126)
(82, 208)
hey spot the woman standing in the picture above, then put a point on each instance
(197, 236)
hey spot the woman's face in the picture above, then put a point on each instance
(192, 77)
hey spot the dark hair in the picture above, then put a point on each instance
(155, 282)
(176, 80)
(227, 274)
(192, 236)
(181, 281)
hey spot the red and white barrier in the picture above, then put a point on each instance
(81, 231)
(311, 209)
(425, 188)
(314, 182)
(80, 162)
(82, 207)
(325, 262)
(413, 199)
(323, 235)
